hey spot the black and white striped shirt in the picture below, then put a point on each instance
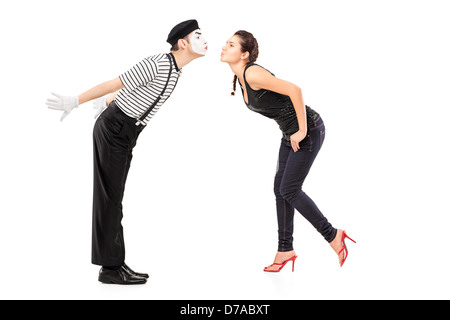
(144, 83)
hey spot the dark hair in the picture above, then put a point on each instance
(248, 44)
(175, 46)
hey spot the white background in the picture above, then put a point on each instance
(199, 210)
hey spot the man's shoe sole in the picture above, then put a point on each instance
(108, 280)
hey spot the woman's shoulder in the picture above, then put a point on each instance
(254, 70)
(253, 67)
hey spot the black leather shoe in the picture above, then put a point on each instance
(119, 276)
(133, 273)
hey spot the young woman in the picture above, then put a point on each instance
(303, 134)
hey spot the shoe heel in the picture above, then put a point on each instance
(293, 263)
(344, 235)
(104, 279)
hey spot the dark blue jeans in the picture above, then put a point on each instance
(293, 167)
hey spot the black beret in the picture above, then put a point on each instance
(181, 30)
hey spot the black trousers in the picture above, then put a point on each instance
(293, 168)
(115, 135)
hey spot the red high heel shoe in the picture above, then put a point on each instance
(282, 265)
(344, 247)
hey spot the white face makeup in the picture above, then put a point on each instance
(199, 43)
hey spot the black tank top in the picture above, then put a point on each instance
(276, 106)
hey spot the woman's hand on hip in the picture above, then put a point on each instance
(296, 138)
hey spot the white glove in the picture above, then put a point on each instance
(63, 103)
(99, 106)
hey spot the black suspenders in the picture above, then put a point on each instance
(141, 119)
